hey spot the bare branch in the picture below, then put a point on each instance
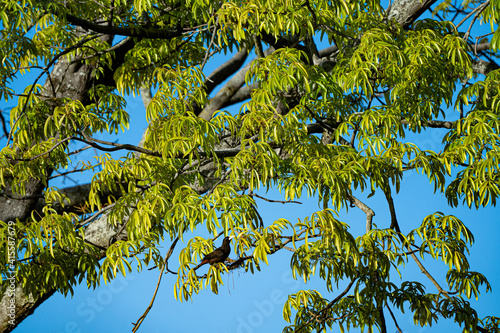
(231, 87)
(225, 70)
(478, 12)
(367, 210)
(138, 323)
(406, 12)
(483, 67)
(478, 8)
(270, 200)
(242, 94)
(394, 319)
(207, 53)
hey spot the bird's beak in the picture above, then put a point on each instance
(231, 237)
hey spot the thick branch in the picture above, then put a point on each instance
(225, 94)
(405, 12)
(241, 95)
(483, 67)
(226, 70)
(367, 210)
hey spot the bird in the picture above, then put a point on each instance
(218, 255)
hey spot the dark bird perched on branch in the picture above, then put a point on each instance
(218, 255)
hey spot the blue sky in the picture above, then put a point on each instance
(253, 302)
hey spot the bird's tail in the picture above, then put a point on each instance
(199, 265)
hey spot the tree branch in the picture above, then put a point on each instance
(395, 226)
(231, 87)
(405, 12)
(116, 146)
(278, 201)
(225, 70)
(136, 31)
(139, 321)
(479, 8)
(319, 316)
(367, 210)
(394, 319)
(483, 67)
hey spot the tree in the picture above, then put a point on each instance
(328, 123)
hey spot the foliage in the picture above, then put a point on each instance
(323, 126)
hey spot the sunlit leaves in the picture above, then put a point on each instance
(276, 17)
(57, 248)
(445, 238)
(335, 254)
(163, 64)
(368, 265)
(467, 283)
(490, 15)
(475, 141)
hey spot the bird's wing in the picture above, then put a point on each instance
(212, 255)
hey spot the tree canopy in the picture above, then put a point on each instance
(330, 109)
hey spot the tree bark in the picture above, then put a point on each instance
(405, 12)
(71, 80)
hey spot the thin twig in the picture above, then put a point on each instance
(45, 152)
(138, 323)
(394, 319)
(62, 174)
(116, 146)
(270, 200)
(95, 215)
(207, 54)
(79, 150)
(472, 13)
(479, 11)
(339, 33)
